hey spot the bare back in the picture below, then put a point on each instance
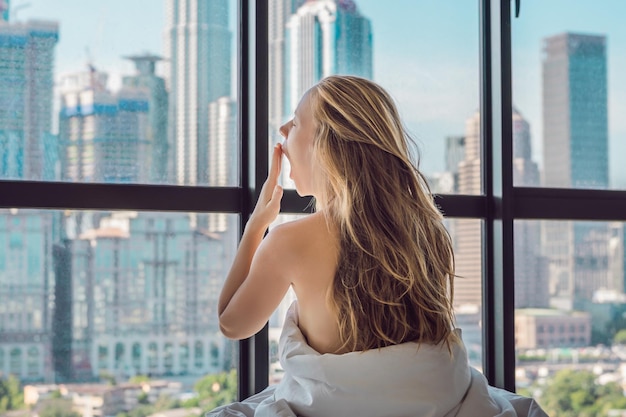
(311, 259)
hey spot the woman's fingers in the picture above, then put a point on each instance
(275, 164)
(268, 205)
(277, 195)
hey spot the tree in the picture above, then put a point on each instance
(572, 393)
(217, 389)
(11, 394)
(620, 337)
(58, 408)
(142, 398)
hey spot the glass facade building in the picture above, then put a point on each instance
(26, 74)
(575, 114)
(198, 56)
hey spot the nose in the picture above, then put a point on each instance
(284, 129)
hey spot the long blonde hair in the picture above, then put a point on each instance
(394, 279)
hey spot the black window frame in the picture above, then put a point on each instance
(498, 207)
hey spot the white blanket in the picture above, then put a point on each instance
(401, 380)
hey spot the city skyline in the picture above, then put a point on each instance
(433, 109)
(129, 293)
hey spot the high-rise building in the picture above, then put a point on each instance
(468, 232)
(144, 298)
(575, 114)
(531, 286)
(325, 37)
(146, 83)
(455, 153)
(525, 170)
(26, 286)
(223, 144)
(27, 56)
(223, 162)
(104, 135)
(280, 12)
(617, 257)
(197, 47)
(531, 271)
(575, 155)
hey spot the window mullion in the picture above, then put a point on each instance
(496, 127)
(253, 352)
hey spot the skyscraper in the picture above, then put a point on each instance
(531, 287)
(617, 257)
(325, 37)
(455, 153)
(26, 284)
(531, 271)
(468, 232)
(146, 83)
(575, 122)
(104, 135)
(27, 56)
(197, 46)
(575, 155)
(153, 295)
(223, 163)
(280, 12)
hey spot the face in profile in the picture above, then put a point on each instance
(299, 134)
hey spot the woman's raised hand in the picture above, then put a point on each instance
(268, 205)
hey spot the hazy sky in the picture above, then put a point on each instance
(425, 54)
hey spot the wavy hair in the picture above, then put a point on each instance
(394, 279)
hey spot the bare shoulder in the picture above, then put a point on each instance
(303, 229)
(306, 238)
(310, 250)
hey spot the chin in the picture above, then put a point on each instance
(302, 193)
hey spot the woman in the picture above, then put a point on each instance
(372, 270)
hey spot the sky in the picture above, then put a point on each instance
(425, 55)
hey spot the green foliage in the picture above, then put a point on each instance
(573, 393)
(11, 394)
(144, 409)
(191, 402)
(142, 398)
(138, 379)
(620, 337)
(165, 402)
(58, 408)
(107, 377)
(217, 389)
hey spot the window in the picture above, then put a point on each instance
(482, 65)
(565, 92)
(434, 81)
(431, 72)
